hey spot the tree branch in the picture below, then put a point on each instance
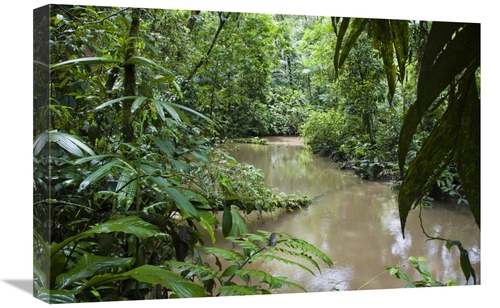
(222, 21)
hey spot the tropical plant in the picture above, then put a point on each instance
(125, 176)
(73, 271)
(423, 270)
(263, 245)
(448, 75)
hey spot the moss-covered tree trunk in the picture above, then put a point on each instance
(130, 78)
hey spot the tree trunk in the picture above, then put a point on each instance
(130, 78)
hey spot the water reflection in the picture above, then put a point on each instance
(356, 224)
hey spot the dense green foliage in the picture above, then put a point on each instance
(130, 106)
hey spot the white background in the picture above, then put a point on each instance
(16, 148)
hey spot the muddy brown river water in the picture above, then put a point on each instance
(355, 223)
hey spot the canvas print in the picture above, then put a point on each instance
(184, 153)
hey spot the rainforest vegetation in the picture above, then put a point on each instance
(131, 106)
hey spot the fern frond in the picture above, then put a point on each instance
(302, 245)
(301, 255)
(273, 281)
(238, 290)
(228, 255)
(246, 244)
(264, 238)
(203, 272)
(271, 257)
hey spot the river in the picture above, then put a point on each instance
(355, 222)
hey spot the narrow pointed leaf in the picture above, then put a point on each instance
(400, 38)
(358, 26)
(445, 57)
(436, 152)
(468, 155)
(208, 120)
(138, 102)
(338, 46)
(84, 61)
(138, 60)
(382, 34)
(227, 221)
(100, 173)
(114, 101)
(177, 196)
(68, 142)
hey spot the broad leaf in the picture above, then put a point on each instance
(153, 275)
(156, 275)
(88, 265)
(130, 225)
(381, 29)
(56, 296)
(451, 49)
(238, 290)
(439, 69)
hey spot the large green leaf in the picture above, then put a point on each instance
(138, 60)
(440, 147)
(452, 50)
(85, 61)
(153, 275)
(177, 196)
(116, 100)
(467, 155)
(381, 32)
(69, 143)
(341, 52)
(98, 174)
(129, 224)
(88, 265)
(400, 38)
(56, 296)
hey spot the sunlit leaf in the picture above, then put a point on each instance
(85, 61)
(69, 143)
(207, 226)
(114, 101)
